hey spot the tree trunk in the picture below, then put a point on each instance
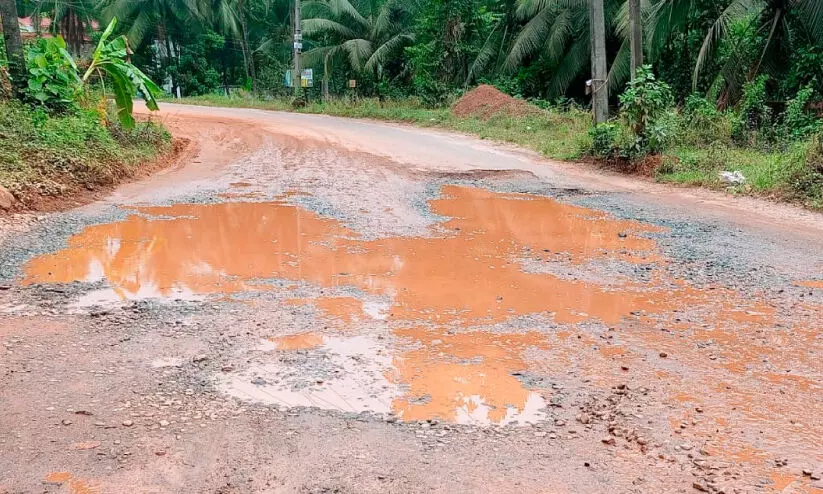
(636, 36)
(164, 35)
(326, 78)
(225, 77)
(14, 44)
(248, 56)
(298, 50)
(600, 83)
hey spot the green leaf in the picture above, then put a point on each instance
(123, 98)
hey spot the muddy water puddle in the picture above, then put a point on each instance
(70, 483)
(447, 337)
(467, 272)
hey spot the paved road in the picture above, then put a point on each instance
(312, 304)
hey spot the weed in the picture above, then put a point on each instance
(42, 154)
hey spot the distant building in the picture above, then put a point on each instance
(29, 30)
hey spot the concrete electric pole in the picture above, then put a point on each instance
(600, 83)
(298, 49)
(636, 35)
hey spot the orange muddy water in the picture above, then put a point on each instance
(496, 341)
(71, 484)
(443, 294)
(230, 247)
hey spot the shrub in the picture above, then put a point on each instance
(643, 105)
(604, 139)
(55, 83)
(126, 80)
(47, 154)
(755, 119)
(53, 79)
(798, 122)
(703, 123)
(806, 181)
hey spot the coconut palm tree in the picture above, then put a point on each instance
(142, 18)
(492, 55)
(557, 31)
(364, 34)
(769, 21)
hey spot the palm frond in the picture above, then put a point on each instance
(488, 51)
(575, 62)
(383, 53)
(344, 9)
(531, 38)
(316, 56)
(737, 9)
(620, 71)
(527, 9)
(390, 16)
(315, 26)
(664, 18)
(811, 13)
(359, 51)
(566, 25)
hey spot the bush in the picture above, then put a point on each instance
(806, 181)
(703, 123)
(604, 140)
(53, 78)
(798, 122)
(643, 104)
(755, 120)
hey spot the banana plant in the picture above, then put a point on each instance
(111, 58)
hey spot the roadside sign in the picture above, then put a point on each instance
(298, 45)
(352, 83)
(306, 78)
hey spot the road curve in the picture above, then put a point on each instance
(315, 304)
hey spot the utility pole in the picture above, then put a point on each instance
(600, 83)
(14, 44)
(298, 49)
(636, 35)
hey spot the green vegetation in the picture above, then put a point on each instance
(63, 135)
(44, 155)
(126, 80)
(732, 85)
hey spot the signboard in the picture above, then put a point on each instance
(352, 83)
(306, 78)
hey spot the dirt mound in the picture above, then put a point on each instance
(485, 101)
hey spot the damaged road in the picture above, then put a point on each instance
(312, 304)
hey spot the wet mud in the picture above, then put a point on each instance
(452, 303)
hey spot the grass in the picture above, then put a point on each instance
(790, 174)
(696, 157)
(42, 155)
